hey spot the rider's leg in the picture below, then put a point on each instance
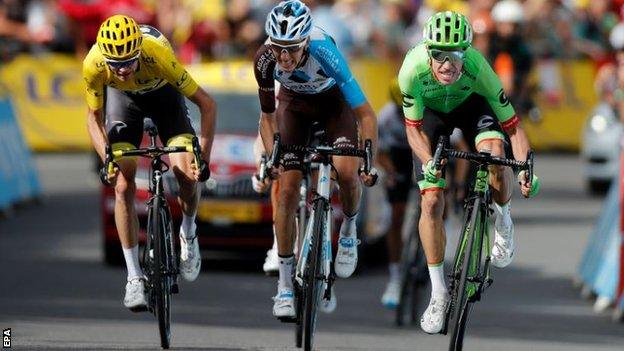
(287, 201)
(126, 218)
(501, 181)
(188, 198)
(350, 195)
(433, 237)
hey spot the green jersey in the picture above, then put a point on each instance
(421, 89)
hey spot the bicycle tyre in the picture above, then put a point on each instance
(408, 284)
(299, 294)
(161, 284)
(313, 286)
(460, 307)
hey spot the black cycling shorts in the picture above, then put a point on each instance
(473, 117)
(296, 113)
(125, 112)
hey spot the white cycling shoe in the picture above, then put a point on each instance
(190, 258)
(503, 248)
(135, 298)
(390, 298)
(284, 304)
(271, 262)
(432, 321)
(346, 256)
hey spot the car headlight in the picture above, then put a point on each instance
(599, 123)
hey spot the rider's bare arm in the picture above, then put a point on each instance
(208, 113)
(268, 127)
(419, 143)
(368, 122)
(95, 126)
(519, 142)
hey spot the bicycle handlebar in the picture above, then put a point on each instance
(482, 157)
(324, 150)
(152, 152)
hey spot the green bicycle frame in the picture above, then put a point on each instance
(481, 232)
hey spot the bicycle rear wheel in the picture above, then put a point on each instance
(460, 305)
(162, 280)
(313, 287)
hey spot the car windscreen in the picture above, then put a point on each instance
(236, 112)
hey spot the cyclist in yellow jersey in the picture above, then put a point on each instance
(132, 73)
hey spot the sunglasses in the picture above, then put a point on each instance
(292, 48)
(443, 55)
(117, 65)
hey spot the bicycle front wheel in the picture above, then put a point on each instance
(463, 266)
(161, 283)
(313, 288)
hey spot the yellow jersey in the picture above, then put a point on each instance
(157, 66)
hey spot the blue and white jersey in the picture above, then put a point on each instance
(321, 68)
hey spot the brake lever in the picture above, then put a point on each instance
(202, 166)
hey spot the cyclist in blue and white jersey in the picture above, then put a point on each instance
(316, 85)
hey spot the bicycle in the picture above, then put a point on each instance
(414, 274)
(313, 270)
(470, 275)
(158, 261)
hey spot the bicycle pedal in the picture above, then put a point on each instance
(175, 289)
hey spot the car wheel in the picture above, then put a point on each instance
(113, 255)
(598, 187)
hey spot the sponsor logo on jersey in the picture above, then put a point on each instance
(182, 79)
(502, 98)
(408, 100)
(329, 57)
(485, 121)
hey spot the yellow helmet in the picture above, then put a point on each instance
(119, 38)
(395, 92)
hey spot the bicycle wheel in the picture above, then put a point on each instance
(408, 281)
(460, 306)
(413, 264)
(313, 288)
(299, 295)
(161, 283)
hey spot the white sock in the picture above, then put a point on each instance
(285, 272)
(438, 286)
(132, 262)
(395, 272)
(348, 226)
(188, 226)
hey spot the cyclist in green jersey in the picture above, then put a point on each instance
(447, 84)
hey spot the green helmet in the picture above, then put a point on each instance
(448, 30)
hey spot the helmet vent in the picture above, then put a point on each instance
(288, 11)
(447, 33)
(283, 27)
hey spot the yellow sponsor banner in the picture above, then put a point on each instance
(48, 96)
(565, 98)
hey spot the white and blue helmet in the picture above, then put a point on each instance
(289, 21)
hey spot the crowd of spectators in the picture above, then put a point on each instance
(516, 35)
